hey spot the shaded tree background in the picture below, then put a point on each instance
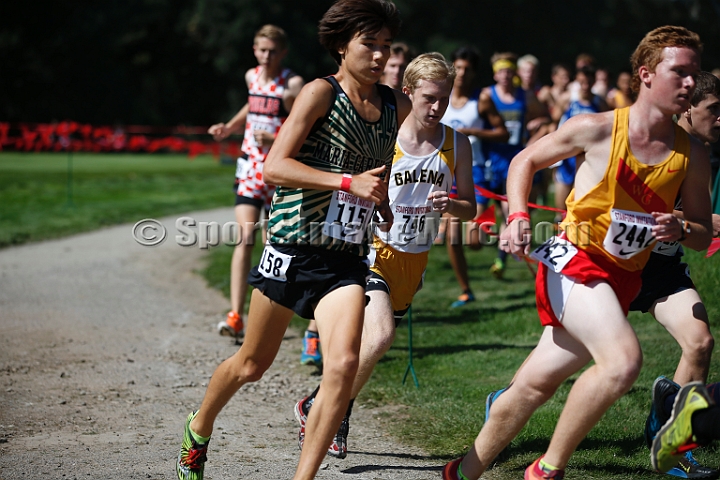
(166, 62)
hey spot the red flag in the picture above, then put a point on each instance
(714, 247)
(487, 220)
(234, 149)
(195, 149)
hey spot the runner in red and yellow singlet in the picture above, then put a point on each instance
(632, 164)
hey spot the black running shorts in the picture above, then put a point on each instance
(662, 276)
(310, 274)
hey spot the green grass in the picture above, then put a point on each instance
(36, 202)
(461, 355)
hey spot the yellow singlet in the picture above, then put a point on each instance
(613, 219)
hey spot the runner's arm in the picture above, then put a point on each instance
(573, 138)
(404, 106)
(697, 210)
(295, 84)
(560, 107)
(220, 131)
(281, 168)
(463, 206)
(486, 109)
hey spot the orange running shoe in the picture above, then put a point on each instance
(536, 472)
(450, 472)
(232, 325)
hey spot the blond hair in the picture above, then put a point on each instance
(650, 50)
(274, 33)
(428, 66)
(531, 59)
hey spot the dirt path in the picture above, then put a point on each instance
(105, 346)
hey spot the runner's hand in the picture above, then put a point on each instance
(668, 228)
(219, 132)
(369, 186)
(716, 224)
(515, 239)
(386, 216)
(440, 201)
(263, 138)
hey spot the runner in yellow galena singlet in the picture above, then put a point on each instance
(428, 157)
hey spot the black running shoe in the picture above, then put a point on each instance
(338, 448)
(662, 388)
(688, 467)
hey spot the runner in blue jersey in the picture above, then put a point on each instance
(517, 107)
(472, 113)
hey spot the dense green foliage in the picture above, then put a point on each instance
(38, 202)
(182, 61)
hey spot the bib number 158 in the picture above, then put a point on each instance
(274, 264)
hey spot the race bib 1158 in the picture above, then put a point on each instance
(348, 217)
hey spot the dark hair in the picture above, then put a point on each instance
(511, 56)
(400, 48)
(347, 18)
(588, 70)
(467, 53)
(560, 66)
(586, 58)
(705, 84)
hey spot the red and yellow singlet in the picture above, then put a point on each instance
(614, 218)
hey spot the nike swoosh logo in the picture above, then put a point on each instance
(623, 253)
(447, 150)
(673, 171)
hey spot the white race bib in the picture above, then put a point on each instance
(667, 248)
(242, 167)
(629, 233)
(274, 264)
(555, 253)
(410, 222)
(260, 125)
(348, 217)
(514, 127)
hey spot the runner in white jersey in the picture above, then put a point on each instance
(271, 93)
(472, 113)
(428, 155)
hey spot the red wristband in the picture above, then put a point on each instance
(522, 215)
(346, 181)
